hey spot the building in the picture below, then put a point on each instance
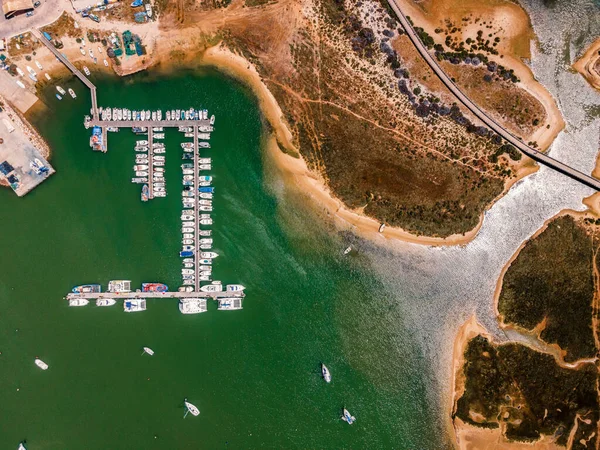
(12, 8)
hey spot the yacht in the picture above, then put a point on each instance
(190, 409)
(87, 289)
(41, 364)
(187, 248)
(348, 250)
(188, 265)
(159, 158)
(205, 208)
(153, 116)
(212, 288)
(229, 304)
(106, 63)
(159, 115)
(141, 149)
(206, 178)
(192, 305)
(159, 136)
(168, 115)
(212, 119)
(143, 115)
(187, 241)
(235, 288)
(72, 93)
(158, 129)
(106, 302)
(159, 163)
(187, 272)
(119, 286)
(205, 261)
(205, 195)
(208, 255)
(142, 143)
(188, 260)
(347, 417)
(187, 230)
(205, 268)
(325, 372)
(204, 160)
(203, 145)
(149, 351)
(206, 221)
(78, 302)
(186, 289)
(140, 167)
(141, 173)
(205, 232)
(86, 70)
(134, 305)
(204, 167)
(187, 217)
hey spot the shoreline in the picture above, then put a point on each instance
(585, 64)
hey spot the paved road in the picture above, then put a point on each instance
(46, 13)
(529, 151)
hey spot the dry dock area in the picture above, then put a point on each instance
(22, 165)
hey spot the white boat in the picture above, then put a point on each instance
(21, 446)
(119, 286)
(153, 116)
(188, 265)
(187, 217)
(159, 163)
(47, 77)
(106, 63)
(187, 230)
(106, 302)
(190, 409)
(348, 250)
(204, 160)
(159, 158)
(134, 305)
(192, 305)
(235, 288)
(205, 232)
(188, 171)
(325, 372)
(205, 208)
(78, 302)
(159, 136)
(91, 53)
(82, 51)
(41, 364)
(381, 227)
(149, 351)
(205, 195)
(72, 93)
(63, 92)
(206, 221)
(212, 288)
(205, 261)
(141, 173)
(159, 115)
(140, 167)
(86, 70)
(39, 66)
(186, 289)
(347, 417)
(22, 86)
(229, 304)
(141, 143)
(208, 255)
(204, 167)
(187, 272)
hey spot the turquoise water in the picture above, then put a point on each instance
(254, 373)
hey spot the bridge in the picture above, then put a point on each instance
(62, 58)
(534, 154)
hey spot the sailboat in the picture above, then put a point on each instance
(190, 409)
(325, 372)
(347, 417)
(22, 446)
(148, 350)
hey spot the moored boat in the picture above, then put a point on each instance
(192, 305)
(78, 302)
(72, 93)
(134, 305)
(325, 372)
(145, 193)
(235, 288)
(229, 304)
(154, 287)
(106, 302)
(119, 286)
(41, 364)
(87, 288)
(212, 288)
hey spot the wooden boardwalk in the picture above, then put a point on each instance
(150, 164)
(196, 210)
(148, 123)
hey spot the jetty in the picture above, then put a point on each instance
(146, 295)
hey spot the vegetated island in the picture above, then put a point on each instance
(546, 392)
(589, 64)
(348, 94)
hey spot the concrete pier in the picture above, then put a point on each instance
(196, 209)
(130, 295)
(150, 163)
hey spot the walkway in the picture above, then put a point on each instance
(481, 115)
(215, 295)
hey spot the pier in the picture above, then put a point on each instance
(146, 295)
(150, 164)
(196, 209)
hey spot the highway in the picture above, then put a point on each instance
(540, 157)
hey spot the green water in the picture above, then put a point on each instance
(254, 373)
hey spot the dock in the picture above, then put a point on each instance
(196, 209)
(150, 164)
(146, 295)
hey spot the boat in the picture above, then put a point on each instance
(204, 167)
(168, 115)
(212, 119)
(106, 302)
(139, 180)
(206, 189)
(119, 286)
(159, 136)
(348, 250)
(87, 289)
(187, 229)
(186, 253)
(325, 372)
(134, 305)
(187, 272)
(141, 173)
(235, 288)
(212, 288)
(21, 446)
(72, 93)
(86, 70)
(47, 77)
(140, 167)
(187, 248)
(188, 265)
(112, 129)
(82, 51)
(192, 305)
(186, 289)
(78, 302)
(153, 116)
(145, 193)
(154, 287)
(58, 96)
(159, 158)
(149, 351)
(190, 409)
(106, 63)
(203, 145)
(41, 364)
(99, 49)
(160, 194)
(229, 304)
(187, 145)
(347, 417)
(204, 160)
(39, 66)
(186, 217)
(129, 115)
(91, 53)
(381, 227)
(208, 255)
(142, 143)
(187, 241)
(62, 91)
(206, 221)
(205, 195)
(205, 208)
(205, 261)
(205, 232)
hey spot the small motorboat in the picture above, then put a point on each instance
(347, 417)
(41, 364)
(78, 302)
(61, 90)
(106, 63)
(325, 372)
(190, 409)
(22, 446)
(86, 70)
(72, 93)
(381, 227)
(106, 302)
(348, 250)
(148, 350)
